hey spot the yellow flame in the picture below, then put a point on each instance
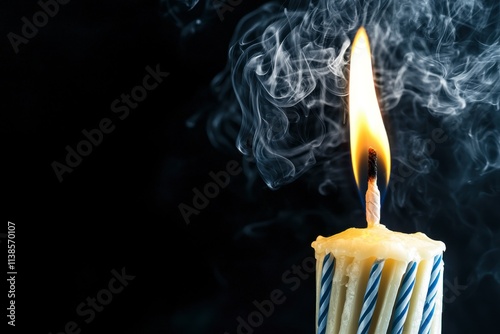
(366, 124)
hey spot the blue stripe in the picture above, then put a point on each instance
(403, 299)
(370, 298)
(327, 272)
(430, 302)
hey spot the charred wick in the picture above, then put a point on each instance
(372, 164)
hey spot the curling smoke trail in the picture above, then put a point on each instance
(282, 103)
(437, 75)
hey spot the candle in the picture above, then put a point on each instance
(374, 280)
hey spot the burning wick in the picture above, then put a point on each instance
(372, 196)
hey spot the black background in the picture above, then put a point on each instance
(119, 207)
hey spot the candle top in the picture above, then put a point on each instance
(379, 242)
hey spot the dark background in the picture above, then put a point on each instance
(119, 207)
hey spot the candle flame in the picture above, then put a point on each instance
(366, 124)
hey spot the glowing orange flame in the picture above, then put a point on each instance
(366, 124)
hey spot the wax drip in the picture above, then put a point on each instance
(372, 193)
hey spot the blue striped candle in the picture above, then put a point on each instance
(430, 300)
(403, 298)
(325, 292)
(370, 298)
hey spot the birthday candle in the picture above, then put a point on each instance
(363, 300)
(384, 281)
(379, 275)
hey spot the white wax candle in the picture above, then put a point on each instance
(355, 250)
